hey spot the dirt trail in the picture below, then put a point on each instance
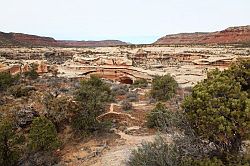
(111, 111)
(119, 154)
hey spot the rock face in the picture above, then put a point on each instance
(232, 35)
(19, 39)
(34, 40)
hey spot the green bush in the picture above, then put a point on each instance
(32, 74)
(43, 135)
(92, 97)
(140, 83)
(132, 97)
(162, 153)
(240, 71)
(20, 90)
(59, 110)
(155, 153)
(126, 105)
(160, 117)
(163, 87)
(9, 144)
(120, 89)
(7, 80)
(217, 111)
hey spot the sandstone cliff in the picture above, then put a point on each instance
(230, 35)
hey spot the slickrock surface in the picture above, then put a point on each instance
(188, 64)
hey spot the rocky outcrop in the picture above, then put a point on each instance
(231, 35)
(19, 39)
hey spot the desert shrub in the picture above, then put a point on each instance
(132, 96)
(9, 143)
(43, 135)
(163, 87)
(140, 83)
(160, 117)
(202, 162)
(92, 97)
(126, 105)
(162, 153)
(20, 90)
(59, 110)
(7, 80)
(32, 74)
(38, 159)
(157, 153)
(217, 110)
(183, 151)
(216, 161)
(240, 71)
(120, 89)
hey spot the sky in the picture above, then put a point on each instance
(134, 21)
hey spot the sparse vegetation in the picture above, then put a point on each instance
(159, 117)
(43, 135)
(158, 153)
(7, 80)
(20, 90)
(217, 110)
(32, 74)
(120, 89)
(59, 110)
(132, 96)
(60, 120)
(10, 143)
(140, 83)
(163, 87)
(126, 105)
(92, 97)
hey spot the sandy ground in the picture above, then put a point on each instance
(120, 154)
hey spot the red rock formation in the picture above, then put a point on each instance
(34, 40)
(15, 69)
(229, 36)
(42, 68)
(19, 39)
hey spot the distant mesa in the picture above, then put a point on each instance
(20, 39)
(101, 43)
(232, 35)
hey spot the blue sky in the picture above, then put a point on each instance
(135, 21)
